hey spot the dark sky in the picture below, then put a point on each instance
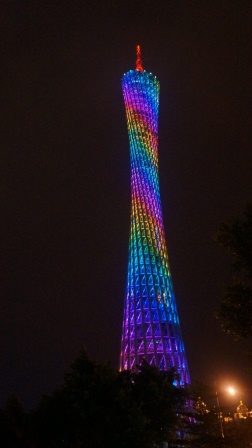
(65, 177)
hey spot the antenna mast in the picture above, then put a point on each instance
(139, 60)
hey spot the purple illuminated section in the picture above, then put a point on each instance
(151, 329)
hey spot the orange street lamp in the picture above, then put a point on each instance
(232, 391)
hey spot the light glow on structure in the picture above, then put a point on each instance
(151, 329)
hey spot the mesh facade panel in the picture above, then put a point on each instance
(151, 329)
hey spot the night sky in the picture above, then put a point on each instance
(65, 177)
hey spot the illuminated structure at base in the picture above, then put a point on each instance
(151, 329)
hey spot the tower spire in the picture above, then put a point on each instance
(139, 60)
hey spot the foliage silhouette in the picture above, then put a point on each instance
(235, 310)
(98, 406)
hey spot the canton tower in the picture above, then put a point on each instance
(151, 328)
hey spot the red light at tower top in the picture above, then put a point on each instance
(139, 60)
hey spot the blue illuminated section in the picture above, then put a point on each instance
(151, 328)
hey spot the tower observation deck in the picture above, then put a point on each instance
(151, 328)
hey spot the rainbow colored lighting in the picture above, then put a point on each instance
(151, 329)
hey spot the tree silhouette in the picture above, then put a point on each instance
(97, 406)
(235, 310)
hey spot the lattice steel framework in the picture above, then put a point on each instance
(151, 329)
